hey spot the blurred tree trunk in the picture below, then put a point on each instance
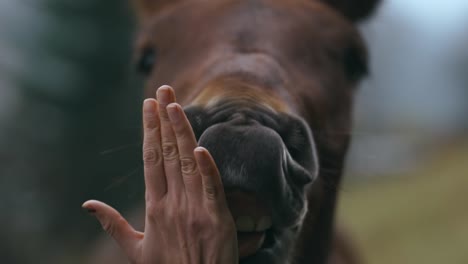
(66, 95)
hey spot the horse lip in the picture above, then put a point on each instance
(248, 205)
(243, 203)
(273, 244)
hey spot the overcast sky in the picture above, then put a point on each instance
(417, 92)
(415, 48)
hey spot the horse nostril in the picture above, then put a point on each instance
(301, 154)
(300, 175)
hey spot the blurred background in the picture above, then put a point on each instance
(70, 117)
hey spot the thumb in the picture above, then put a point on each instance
(115, 225)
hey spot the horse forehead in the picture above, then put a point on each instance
(220, 27)
(250, 17)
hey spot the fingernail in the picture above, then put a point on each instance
(89, 210)
(164, 95)
(200, 155)
(149, 106)
(173, 110)
(200, 150)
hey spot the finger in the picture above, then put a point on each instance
(186, 143)
(213, 191)
(116, 226)
(155, 179)
(175, 185)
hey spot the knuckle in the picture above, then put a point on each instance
(151, 124)
(209, 171)
(152, 216)
(151, 156)
(176, 217)
(195, 226)
(211, 192)
(108, 227)
(188, 166)
(175, 209)
(154, 211)
(163, 114)
(170, 151)
(148, 199)
(111, 226)
(183, 132)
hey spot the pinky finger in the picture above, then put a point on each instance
(116, 226)
(213, 191)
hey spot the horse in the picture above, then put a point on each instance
(268, 87)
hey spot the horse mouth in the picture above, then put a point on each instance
(253, 222)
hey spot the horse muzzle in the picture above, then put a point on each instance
(266, 160)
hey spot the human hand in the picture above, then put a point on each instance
(187, 219)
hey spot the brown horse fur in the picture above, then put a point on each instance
(279, 70)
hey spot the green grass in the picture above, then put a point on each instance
(417, 218)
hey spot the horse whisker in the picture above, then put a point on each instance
(119, 180)
(119, 148)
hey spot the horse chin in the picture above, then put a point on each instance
(259, 238)
(274, 250)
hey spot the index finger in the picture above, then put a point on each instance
(213, 191)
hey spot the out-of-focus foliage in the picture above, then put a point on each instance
(416, 217)
(65, 96)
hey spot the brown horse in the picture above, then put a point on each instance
(268, 88)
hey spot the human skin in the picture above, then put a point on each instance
(187, 219)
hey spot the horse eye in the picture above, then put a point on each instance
(355, 62)
(146, 62)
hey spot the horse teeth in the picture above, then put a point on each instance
(263, 224)
(245, 224)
